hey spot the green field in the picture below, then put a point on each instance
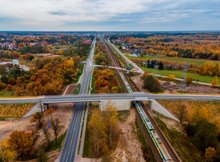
(5, 93)
(179, 74)
(197, 62)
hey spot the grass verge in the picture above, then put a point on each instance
(53, 146)
(87, 149)
(180, 74)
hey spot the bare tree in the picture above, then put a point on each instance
(55, 124)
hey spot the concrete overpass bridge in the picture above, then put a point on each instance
(137, 96)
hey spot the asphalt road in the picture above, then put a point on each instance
(70, 147)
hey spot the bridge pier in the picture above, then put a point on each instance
(45, 106)
(120, 105)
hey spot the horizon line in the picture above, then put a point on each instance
(110, 30)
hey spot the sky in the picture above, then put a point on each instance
(109, 15)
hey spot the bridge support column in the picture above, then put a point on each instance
(120, 105)
(150, 102)
(45, 106)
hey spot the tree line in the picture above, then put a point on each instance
(103, 131)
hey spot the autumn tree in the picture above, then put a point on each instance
(152, 84)
(216, 70)
(210, 154)
(49, 112)
(97, 133)
(144, 75)
(189, 80)
(207, 68)
(55, 125)
(115, 89)
(111, 122)
(37, 117)
(6, 154)
(21, 142)
(215, 82)
(12, 81)
(60, 52)
(160, 66)
(182, 113)
(9, 87)
(171, 77)
(41, 155)
(205, 135)
(46, 134)
(2, 85)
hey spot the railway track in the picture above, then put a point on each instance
(115, 62)
(166, 153)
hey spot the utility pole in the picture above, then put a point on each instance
(182, 85)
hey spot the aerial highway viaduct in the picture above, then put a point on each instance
(136, 96)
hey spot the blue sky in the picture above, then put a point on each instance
(99, 15)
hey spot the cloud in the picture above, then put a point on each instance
(61, 13)
(82, 14)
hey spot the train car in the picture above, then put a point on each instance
(150, 126)
(154, 136)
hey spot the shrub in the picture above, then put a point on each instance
(189, 80)
(2, 85)
(215, 82)
(171, 77)
(152, 84)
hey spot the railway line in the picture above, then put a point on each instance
(159, 145)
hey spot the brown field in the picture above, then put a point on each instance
(14, 111)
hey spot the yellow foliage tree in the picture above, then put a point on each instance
(111, 121)
(171, 77)
(97, 131)
(69, 62)
(5, 153)
(60, 52)
(215, 82)
(210, 154)
(21, 142)
(207, 68)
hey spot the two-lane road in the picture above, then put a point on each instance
(70, 147)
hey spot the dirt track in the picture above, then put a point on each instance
(129, 146)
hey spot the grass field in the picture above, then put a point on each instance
(5, 93)
(180, 74)
(57, 145)
(87, 150)
(197, 62)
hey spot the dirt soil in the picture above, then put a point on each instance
(64, 115)
(129, 146)
(172, 87)
(24, 124)
(139, 82)
(70, 89)
(7, 127)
